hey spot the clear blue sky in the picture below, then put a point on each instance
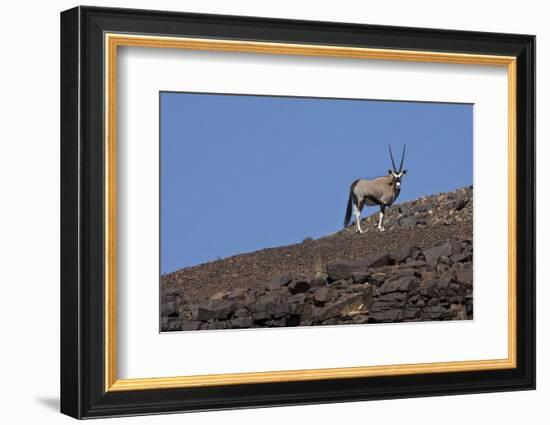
(242, 173)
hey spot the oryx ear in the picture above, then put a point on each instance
(390, 172)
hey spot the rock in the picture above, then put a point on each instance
(428, 288)
(333, 321)
(400, 284)
(172, 325)
(459, 204)
(341, 284)
(441, 268)
(169, 309)
(445, 249)
(170, 295)
(318, 282)
(378, 278)
(360, 318)
(339, 271)
(294, 309)
(242, 322)
(250, 298)
(464, 276)
(297, 299)
(462, 257)
(306, 315)
(386, 316)
(407, 221)
(401, 254)
(373, 261)
(410, 313)
(454, 289)
(436, 312)
(276, 323)
(323, 295)
(299, 286)
(415, 263)
(213, 309)
(404, 209)
(360, 277)
(279, 281)
(293, 320)
(356, 287)
(407, 271)
(190, 325)
(469, 308)
(393, 297)
(215, 325)
(241, 312)
(425, 207)
(433, 302)
(444, 280)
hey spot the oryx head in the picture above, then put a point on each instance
(396, 173)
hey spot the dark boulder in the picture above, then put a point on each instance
(323, 295)
(213, 309)
(318, 282)
(240, 312)
(190, 325)
(373, 261)
(242, 322)
(425, 207)
(169, 309)
(345, 270)
(299, 286)
(464, 276)
(446, 249)
(360, 277)
(407, 221)
(279, 281)
(341, 271)
(401, 254)
(378, 278)
(393, 297)
(386, 316)
(461, 257)
(399, 284)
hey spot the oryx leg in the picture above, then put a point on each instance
(381, 219)
(357, 214)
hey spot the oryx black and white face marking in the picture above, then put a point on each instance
(397, 177)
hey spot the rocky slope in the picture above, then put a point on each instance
(420, 268)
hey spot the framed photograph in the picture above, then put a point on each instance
(261, 212)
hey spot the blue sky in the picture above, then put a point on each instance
(241, 173)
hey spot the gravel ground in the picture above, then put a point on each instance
(424, 222)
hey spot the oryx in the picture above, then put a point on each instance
(382, 191)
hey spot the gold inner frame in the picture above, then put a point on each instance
(113, 41)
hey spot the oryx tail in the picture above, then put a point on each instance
(350, 204)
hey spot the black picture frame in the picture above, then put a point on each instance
(83, 392)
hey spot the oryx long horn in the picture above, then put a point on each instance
(392, 161)
(402, 159)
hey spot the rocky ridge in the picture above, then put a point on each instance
(419, 269)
